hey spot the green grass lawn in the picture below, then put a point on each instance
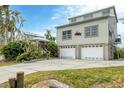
(7, 63)
(81, 78)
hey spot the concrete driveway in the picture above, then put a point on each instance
(53, 64)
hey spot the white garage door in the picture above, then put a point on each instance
(67, 53)
(93, 53)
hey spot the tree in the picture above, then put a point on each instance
(121, 52)
(49, 36)
(51, 45)
(10, 22)
(52, 48)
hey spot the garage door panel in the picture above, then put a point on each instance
(92, 53)
(67, 53)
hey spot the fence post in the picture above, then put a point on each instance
(20, 79)
(12, 82)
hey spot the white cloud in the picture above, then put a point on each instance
(56, 16)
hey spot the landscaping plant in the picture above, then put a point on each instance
(32, 52)
(52, 47)
(13, 49)
(24, 57)
(121, 52)
(21, 51)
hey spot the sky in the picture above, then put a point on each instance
(41, 17)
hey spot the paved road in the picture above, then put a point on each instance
(53, 64)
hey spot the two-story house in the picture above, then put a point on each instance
(91, 36)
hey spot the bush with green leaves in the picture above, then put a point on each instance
(21, 50)
(24, 57)
(36, 54)
(121, 52)
(32, 52)
(116, 55)
(52, 47)
(13, 49)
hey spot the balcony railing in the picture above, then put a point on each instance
(118, 39)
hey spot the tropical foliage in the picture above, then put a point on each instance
(21, 51)
(10, 23)
(121, 52)
(49, 36)
(10, 27)
(13, 49)
(51, 45)
(24, 57)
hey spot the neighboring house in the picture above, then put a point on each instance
(39, 40)
(91, 36)
(34, 37)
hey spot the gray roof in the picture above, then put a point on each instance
(39, 39)
(35, 37)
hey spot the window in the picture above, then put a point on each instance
(87, 31)
(66, 34)
(94, 30)
(106, 12)
(88, 16)
(73, 20)
(91, 31)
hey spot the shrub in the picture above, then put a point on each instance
(116, 55)
(36, 54)
(121, 53)
(13, 49)
(45, 55)
(33, 53)
(24, 57)
(22, 51)
(1, 46)
(52, 47)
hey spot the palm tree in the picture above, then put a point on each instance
(49, 36)
(10, 22)
(2, 25)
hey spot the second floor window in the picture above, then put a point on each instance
(91, 31)
(73, 20)
(106, 12)
(88, 16)
(66, 34)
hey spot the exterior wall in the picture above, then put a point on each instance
(112, 12)
(111, 50)
(112, 26)
(79, 40)
(106, 52)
